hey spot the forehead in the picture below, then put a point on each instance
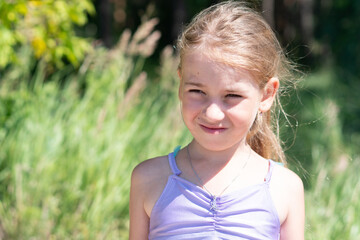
(198, 66)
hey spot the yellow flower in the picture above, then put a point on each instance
(39, 46)
(34, 3)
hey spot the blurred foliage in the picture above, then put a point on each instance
(69, 143)
(332, 202)
(338, 34)
(47, 26)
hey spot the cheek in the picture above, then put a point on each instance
(192, 104)
(188, 110)
(244, 114)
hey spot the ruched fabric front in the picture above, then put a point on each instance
(183, 212)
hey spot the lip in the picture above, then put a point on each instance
(212, 129)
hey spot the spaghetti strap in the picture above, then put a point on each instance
(176, 150)
(269, 174)
(172, 163)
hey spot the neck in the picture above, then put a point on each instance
(237, 151)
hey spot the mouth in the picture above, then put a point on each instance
(212, 130)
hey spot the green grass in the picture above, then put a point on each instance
(67, 150)
(331, 164)
(332, 204)
(67, 154)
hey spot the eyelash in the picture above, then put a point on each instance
(195, 91)
(234, 95)
(231, 95)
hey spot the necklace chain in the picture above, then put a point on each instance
(213, 205)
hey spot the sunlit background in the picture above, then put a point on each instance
(88, 90)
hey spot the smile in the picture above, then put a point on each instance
(212, 130)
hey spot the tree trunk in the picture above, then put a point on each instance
(268, 7)
(105, 22)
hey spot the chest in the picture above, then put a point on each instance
(186, 208)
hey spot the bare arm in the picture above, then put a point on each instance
(293, 226)
(139, 220)
(147, 183)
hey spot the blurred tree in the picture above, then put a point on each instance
(337, 33)
(47, 27)
(325, 34)
(293, 21)
(105, 22)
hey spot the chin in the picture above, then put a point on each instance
(214, 146)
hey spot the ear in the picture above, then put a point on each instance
(179, 73)
(269, 93)
(180, 85)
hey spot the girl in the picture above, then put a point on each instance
(223, 185)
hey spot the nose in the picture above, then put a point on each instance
(214, 112)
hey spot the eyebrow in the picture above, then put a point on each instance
(197, 84)
(233, 90)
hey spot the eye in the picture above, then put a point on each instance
(232, 95)
(196, 91)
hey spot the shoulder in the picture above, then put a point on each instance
(287, 184)
(286, 179)
(150, 169)
(148, 180)
(287, 192)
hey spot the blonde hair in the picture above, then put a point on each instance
(234, 34)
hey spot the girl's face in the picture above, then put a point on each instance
(219, 103)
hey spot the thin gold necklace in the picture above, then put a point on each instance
(213, 204)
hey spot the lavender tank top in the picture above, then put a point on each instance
(183, 211)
